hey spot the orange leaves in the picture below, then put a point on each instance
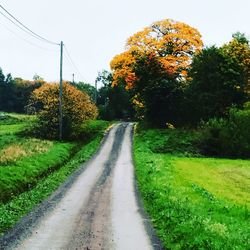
(172, 44)
(122, 65)
(130, 80)
(77, 107)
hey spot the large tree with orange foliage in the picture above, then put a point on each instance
(156, 62)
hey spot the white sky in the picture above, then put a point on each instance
(96, 30)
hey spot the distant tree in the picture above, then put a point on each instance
(15, 93)
(217, 83)
(37, 77)
(22, 92)
(114, 102)
(240, 37)
(85, 87)
(239, 49)
(77, 107)
(6, 92)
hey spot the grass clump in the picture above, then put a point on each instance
(194, 203)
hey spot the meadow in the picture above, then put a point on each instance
(32, 168)
(194, 202)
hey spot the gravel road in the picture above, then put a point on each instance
(97, 208)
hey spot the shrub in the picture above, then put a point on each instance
(228, 137)
(77, 107)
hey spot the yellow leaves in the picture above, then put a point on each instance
(240, 52)
(137, 102)
(77, 106)
(172, 43)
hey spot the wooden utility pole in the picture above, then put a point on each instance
(95, 91)
(60, 93)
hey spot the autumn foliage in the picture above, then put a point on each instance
(172, 44)
(77, 107)
(154, 67)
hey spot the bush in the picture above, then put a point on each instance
(228, 137)
(77, 107)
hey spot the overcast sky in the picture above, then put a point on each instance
(96, 30)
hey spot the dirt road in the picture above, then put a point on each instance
(97, 208)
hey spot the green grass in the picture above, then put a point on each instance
(39, 167)
(24, 160)
(228, 180)
(194, 203)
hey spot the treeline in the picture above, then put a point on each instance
(174, 81)
(42, 98)
(15, 93)
(217, 79)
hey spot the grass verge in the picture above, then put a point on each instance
(42, 171)
(194, 203)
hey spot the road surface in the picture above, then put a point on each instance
(97, 208)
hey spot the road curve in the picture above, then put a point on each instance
(97, 208)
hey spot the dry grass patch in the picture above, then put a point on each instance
(11, 154)
(14, 152)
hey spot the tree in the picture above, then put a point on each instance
(238, 48)
(85, 87)
(37, 77)
(77, 107)
(217, 84)
(22, 92)
(15, 93)
(6, 92)
(240, 37)
(157, 60)
(113, 102)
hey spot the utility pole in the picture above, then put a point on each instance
(73, 75)
(60, 93)
(95, 91)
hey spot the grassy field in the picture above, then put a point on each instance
(31, 169)
(194, 202)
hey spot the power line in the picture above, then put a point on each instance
(25, 28)
(14, 22)
(25, 40)
(72, 63)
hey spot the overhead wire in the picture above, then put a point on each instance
(24, 27)
(72, 63)
(25, 40)
(27, 30)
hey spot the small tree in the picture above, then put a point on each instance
(77, 107)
